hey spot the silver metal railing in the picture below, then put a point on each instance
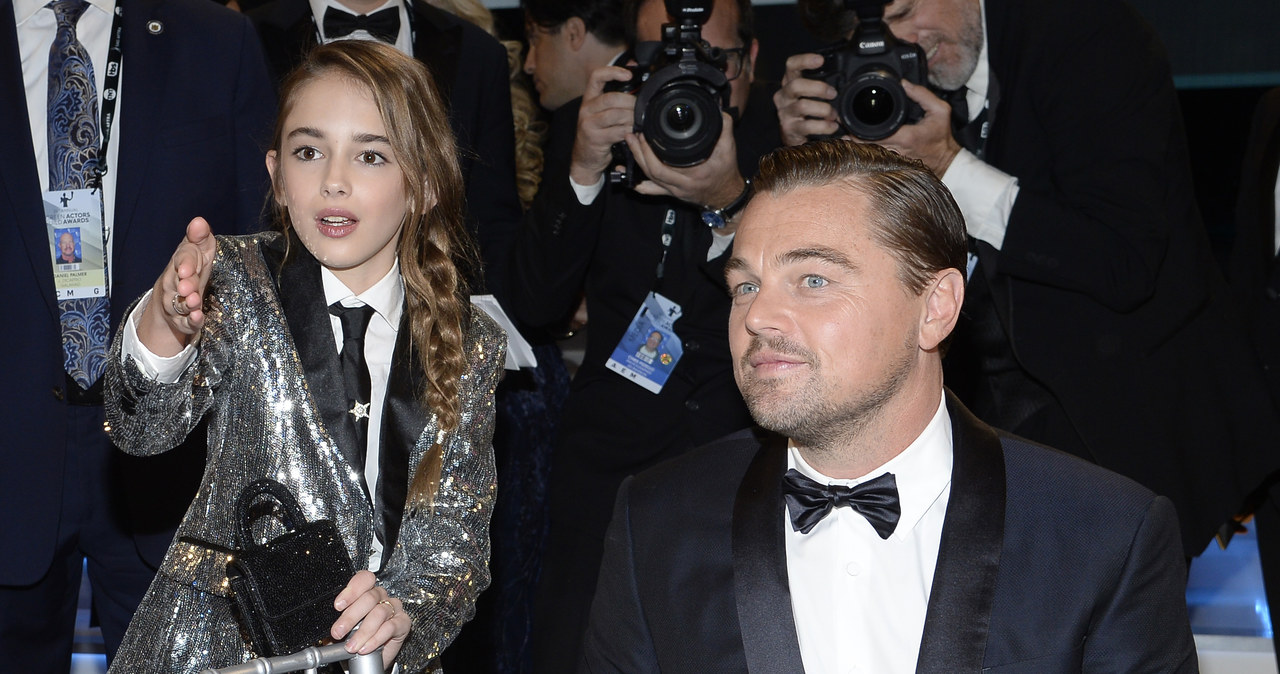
(307, 660)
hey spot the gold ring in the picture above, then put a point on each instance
(179, 304)
(391, 606)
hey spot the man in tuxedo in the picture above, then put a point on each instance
(1255, 279)
(470, 69)
(646, 260)
(880, 527)
(568, 40)
(189, 107)
(1094, 286)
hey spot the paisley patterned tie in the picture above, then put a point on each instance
(73, 159)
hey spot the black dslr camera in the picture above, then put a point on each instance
(680, 89)
(867, 71)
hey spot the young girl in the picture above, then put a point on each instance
(246, 330)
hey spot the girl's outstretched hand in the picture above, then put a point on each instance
(175, 313)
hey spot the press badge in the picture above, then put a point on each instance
(74, 222)
(650, 348)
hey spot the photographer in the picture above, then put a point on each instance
(646, 261)
(1095, 320)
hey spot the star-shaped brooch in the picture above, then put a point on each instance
(359, 410)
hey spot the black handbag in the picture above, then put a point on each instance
(284, 590)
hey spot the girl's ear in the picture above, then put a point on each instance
(273, 165)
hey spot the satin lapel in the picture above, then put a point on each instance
(308, 317)
(964, 580)
(144, 86)
(20, 194)
(760, 565)
(403, 421)
(1269, 169)
(436, 46)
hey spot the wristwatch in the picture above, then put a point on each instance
(717, 218)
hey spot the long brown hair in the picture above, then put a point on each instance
(434, 249)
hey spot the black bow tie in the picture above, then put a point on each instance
(383, 25)
(808, 501)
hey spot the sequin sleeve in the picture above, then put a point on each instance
(148, 417)
(441, 560)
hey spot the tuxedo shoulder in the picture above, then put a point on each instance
(1041, 478)
(434, 18)
(279, 14)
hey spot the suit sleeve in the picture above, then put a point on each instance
(492, 201)
(255, 112)
(554, 250)
(1143, 625)
(441, 561)
(1097, 97)
(617, 638)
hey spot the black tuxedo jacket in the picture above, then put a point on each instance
(470, 69)
(196, 108)
(1255, 275)
(1046, 564)
(1105, 282)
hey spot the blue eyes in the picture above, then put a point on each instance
(814, 282)
(745, 288)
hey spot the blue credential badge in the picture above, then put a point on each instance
(650, 348)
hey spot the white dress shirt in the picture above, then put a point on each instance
(387, 299)
(859, 601)
(37, 28)
(984, 193)
(404, 41)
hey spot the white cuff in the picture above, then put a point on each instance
(157, 368)
(985, 195)
(587, 193)
(719, 244)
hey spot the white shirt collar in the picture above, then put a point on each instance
(922, 470)
(386, 296)
(25, 9)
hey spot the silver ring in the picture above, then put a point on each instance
(392, 607)
(179, 304)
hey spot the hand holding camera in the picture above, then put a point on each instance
(604, 120)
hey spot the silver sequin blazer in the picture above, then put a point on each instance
(249, 380)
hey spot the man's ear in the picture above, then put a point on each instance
(943, 298)
(577, 32)
(749, 69)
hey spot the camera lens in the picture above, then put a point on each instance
(681, 122)
(681, 119)
(873, 105)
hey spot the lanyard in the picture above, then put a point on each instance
(668, 233)
(110, 92)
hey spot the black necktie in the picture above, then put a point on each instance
(384, 24)
(355, 373)
(809, 501)
(967, 133)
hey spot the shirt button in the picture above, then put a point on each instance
(692, 346)
(852, 569)
(692, 405)
(57, 393)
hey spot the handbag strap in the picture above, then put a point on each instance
(290, 512)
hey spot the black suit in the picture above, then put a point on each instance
(1255, 278)
(1108, 294)
(470, 69)
(611, 427)
(1046, 564)
(195, 114)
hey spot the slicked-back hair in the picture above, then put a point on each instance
(604, 19)
(435, 250)
(913, 215)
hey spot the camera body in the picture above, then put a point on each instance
(867, 72)
(680, 89)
